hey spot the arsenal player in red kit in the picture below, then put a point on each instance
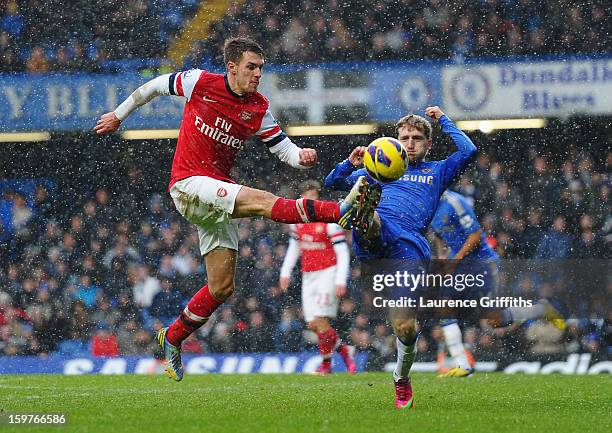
(222, 111)
(325, 261)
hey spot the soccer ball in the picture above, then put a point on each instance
(385, 159)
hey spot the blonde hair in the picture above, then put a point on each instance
(415, 121)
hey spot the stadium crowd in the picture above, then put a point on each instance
(53, 36)
(100, 275)
(331, 30)
(83, 37)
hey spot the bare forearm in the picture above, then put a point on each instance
(471, 243)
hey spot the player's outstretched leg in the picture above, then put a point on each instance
(357, 209)
(255, 202)
(454, 343)
(358, 206)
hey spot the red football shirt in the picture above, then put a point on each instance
(316, 242)
(216, 123)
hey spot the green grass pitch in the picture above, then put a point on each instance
(491, 402)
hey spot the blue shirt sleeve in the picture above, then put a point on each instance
(344, 176)
(456, 163)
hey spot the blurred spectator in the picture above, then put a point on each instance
(86, 292)
(37, 62)
(288, 332)
(10, 61)
(12, 21)
(104, 343)
(61, 62)
(145, 287)
(257, 335)
(556, 242)
(166, 304)
(104, 314)
(80, 326)
(133, 340)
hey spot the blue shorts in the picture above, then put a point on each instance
(392, 243)
(394, 279)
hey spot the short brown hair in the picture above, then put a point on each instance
(308, 185)
(235, 47)
(415, 121)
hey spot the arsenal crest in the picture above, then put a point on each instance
(245, 115)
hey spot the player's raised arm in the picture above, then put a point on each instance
(345, 174)
(271, 134)
(177, 84)
(466, 150)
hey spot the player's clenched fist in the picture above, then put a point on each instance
(356, 156)
(308, 157)
(108, 123)
(434, 112)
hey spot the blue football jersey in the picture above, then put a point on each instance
(408, 204)
(454, 221)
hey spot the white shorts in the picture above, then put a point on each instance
(208, 203)
(319, 294)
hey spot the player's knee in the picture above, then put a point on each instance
(405, 329)
(264, 203)
(222, 289)
(254, 202)
(319, 324)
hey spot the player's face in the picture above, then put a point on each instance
(247, 72)
(415, 142)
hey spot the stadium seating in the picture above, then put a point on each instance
(316, 31)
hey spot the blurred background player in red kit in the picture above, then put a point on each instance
(325, 266)
(222, 112)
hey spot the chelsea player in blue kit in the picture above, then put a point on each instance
(402, 216)
(456, 227)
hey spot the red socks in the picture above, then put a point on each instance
(327, 342)
(196, 314)
(304, 210)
